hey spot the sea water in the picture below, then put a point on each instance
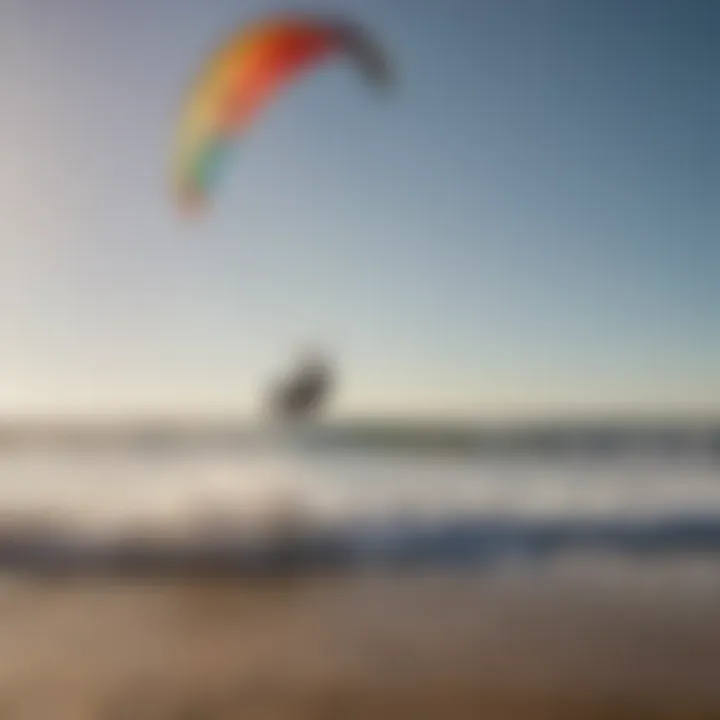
(351, 505)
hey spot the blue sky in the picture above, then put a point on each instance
(531, 225)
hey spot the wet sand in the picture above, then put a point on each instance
(640, 640)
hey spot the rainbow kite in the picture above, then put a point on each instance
(243, 75)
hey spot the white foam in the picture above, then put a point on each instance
(107, 493)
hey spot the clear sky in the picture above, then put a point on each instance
(530, 225)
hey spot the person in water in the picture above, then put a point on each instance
(303, 394)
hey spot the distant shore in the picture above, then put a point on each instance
(637, 639)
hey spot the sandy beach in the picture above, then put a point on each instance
(575, 640)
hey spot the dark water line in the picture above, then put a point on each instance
(392, 546)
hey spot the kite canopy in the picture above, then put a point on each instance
(243, 75)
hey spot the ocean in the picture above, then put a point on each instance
(348, 499)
